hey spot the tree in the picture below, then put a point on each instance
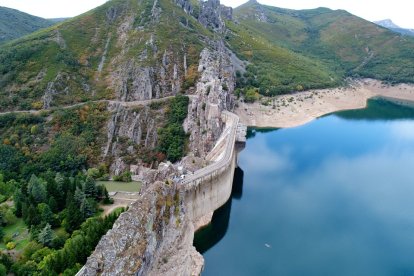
(32, 217)
(87, 207)
(46, 214)
(3, 270)
(90, 188)
(45, 236)
(37, 189)
(79, 196)
(10, 160)
(74, 217)
(18, 202)
(53, 204)
(251, 95)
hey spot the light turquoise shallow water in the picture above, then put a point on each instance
(333, 197)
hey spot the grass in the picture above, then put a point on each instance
(22, 239)
(115, 186)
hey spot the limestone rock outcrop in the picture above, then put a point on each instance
(152, 238)
(212, 15)
(214, 93)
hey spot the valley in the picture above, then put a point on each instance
(161, 92)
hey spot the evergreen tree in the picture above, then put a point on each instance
(61, 191)
(37, 189)
(60, 182)
(87, 208)
(90, 188)
(74, 217)
(45, 236)
(79, 196)
(46, 214)
(32, 217)
(53, 205)
(18, 202)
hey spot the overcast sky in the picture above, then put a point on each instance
(400, 11)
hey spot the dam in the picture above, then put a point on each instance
(155, 236)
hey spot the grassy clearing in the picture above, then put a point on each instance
(115, 186)
(21, 239)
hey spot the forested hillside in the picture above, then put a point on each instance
(15, 24)
(111, 91)
(292, 50)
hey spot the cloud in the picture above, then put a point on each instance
(403, 130)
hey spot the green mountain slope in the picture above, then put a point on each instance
(15, 24)
(318, 47)
(96, 56)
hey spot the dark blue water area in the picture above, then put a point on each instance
(332, 197)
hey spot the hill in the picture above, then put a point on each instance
(124, 88)
(15, 24)
(387, 23)
(314, 48)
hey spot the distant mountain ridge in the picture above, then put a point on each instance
(15, 24)
(387, 23)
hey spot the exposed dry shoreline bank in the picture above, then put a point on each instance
(298, 109)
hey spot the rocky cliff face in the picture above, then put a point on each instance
(129, 131)
(212, 15)
(214, 94)
(154, 237)
(148, 239)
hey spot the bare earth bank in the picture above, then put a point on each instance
(301, 108)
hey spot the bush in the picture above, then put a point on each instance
(7, 238)
(124, 177)
(10, 245)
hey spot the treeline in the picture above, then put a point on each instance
(55, 201)
(39, 260)
(53, 207)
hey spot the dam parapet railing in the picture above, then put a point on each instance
(210, 187)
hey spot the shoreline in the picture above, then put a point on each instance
(297, 109)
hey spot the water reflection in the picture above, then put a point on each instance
(210, 235)
(379, 109)
(333, 197)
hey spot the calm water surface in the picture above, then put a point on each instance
(333, 197)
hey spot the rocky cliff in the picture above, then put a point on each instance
(214, 93)
(151, 238)
(154, 237)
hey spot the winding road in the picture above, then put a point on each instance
(122, 103)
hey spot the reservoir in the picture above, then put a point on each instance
(332, 197)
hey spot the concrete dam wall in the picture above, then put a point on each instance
(155, 236)
(211, 187)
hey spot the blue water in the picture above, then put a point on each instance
(332, 197)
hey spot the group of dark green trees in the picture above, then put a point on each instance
(60, 212)
(172, 137)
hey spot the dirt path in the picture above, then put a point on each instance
(123, 103)
(120, 200)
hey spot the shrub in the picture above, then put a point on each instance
(10, 245)
(124, 177)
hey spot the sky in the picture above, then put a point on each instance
(400, 11)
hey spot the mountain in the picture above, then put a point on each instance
(15, 24)
(387, 23)
(58, 20)
(314, 48)
(130, 85)
(91, 56)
